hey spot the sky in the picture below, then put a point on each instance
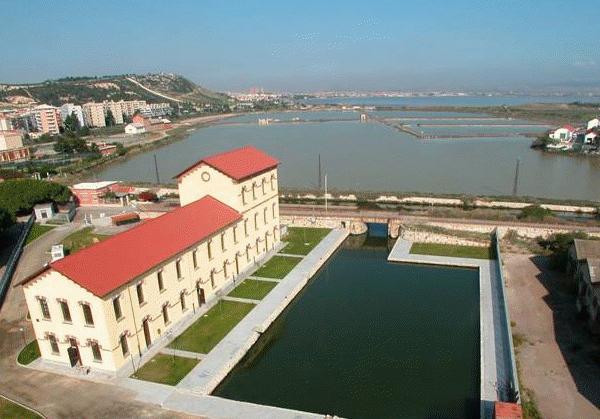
(309, 45)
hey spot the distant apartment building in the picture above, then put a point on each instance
(11, 147)
(130, 107)
(105, 306)
(69, 109)
(47, 119)
(116, 110)
(156, 110)
(93, 114)
(5, 124)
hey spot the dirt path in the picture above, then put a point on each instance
(559, 360)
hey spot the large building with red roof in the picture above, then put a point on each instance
(105, 306)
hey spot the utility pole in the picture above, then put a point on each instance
(319, 171)
(516, 182)
(325, 192)
(156, 170)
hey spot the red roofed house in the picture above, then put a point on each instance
(563, 134)
(105, 306)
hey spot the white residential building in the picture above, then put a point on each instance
(593, 123)
(69, 109)
(563, 134)
(93, 114)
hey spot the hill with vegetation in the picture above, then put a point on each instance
(150, 87)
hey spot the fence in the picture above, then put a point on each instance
(512, 392)
(13, 259)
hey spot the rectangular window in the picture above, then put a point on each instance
(165, 313)
(235, 240)
(256, 221)
(178, 268)
(87, 314)
(212, 279)
(209, 248)
(140, 293)
(243, 196)
(263, 186)
(246, 228)
(273, 209)
(124, 344)
(182, 300)
(225, 269)
(96, 351)
(265, 215)
(253, 191)
(195, 259)
(223, 241)
(117, 307)
(64, 307)
(273, 182)
(159, 277)
(45, 309)
(53, 344)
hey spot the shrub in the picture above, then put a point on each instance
(559, 244)
(6, 220)
(147, 196)
(534, 212)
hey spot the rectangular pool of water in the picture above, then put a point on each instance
(367, 338)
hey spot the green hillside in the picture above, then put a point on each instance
(80, 90)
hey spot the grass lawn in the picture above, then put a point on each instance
(253, 289)
(165, 369)
(37, 230)
(10, 410)
(277, 267)
(298, 236)
(29, 353)
(81, 239)
(437, 249)
(209, 329)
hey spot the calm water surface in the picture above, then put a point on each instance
(370, 339)
(378, 158)
(452, 100)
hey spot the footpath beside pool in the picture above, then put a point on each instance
(192, 394)
(496, 363)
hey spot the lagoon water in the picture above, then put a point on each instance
(370, 339)
(371, 156)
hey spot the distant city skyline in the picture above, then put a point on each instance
(310, 46)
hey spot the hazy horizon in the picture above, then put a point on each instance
(309, 46)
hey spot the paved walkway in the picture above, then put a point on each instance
(182, 353)
(494, 345)
(260, 278)
(291, 255)
(241, 300)
(204, 378)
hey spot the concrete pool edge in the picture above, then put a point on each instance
(497, 364)
(207, 375)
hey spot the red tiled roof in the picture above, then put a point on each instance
(569, 127)
(238, 164)
(111, 263)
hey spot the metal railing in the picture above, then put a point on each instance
(511, 389)
(14, 259)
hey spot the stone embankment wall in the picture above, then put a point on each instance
(428, 237)
(395, 229)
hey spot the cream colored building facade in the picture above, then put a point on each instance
(111, 331)
(93, 114)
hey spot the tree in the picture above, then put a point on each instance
(71, 123)
(558, 244)
(19, 196)
(121, 149)
(109, 119)
(6, 220)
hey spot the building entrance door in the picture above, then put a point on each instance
(147, 335)
(73, 352)
(200, 293)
